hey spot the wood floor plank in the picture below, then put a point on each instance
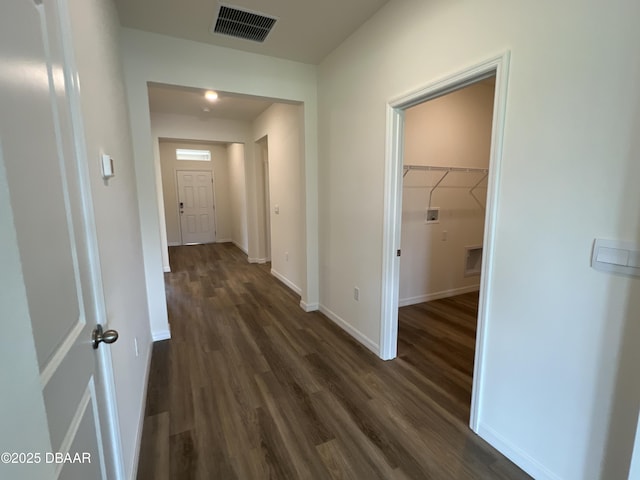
(155, 448)
(183, 455)
(252, 387)
(334, 458)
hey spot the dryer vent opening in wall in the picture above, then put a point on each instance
(241, 23)
(473, 261)
(433, 215)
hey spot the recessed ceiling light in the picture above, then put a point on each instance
(211, 96)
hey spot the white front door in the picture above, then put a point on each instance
(195, 201)
(58, 273)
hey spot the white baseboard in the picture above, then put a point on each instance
(309, 307)
(403, 302)
(224, 240)
(355, 333)
(166, 268)
(240, 247)
(161, 335)
(173, 244)
(258, 260)
(138, 441)
(516, 455)
(286, 281)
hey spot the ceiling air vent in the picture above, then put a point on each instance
(239, 23)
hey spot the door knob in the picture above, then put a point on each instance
(98, 335)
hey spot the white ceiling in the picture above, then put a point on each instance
(191, 101)
(306, 30)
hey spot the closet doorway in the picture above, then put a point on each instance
(447, 145)
(443, 161)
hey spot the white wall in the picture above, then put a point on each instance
(449, 131)
(151, 57)
(218, 166)
(559, 395)
(238, 196)
(173, 126)
(282, 125)
(96, 32)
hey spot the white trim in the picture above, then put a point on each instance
(224, 240)
(166, 268)
(493, 193)
(393, 207)
(63, 349)
(518, 456)
(97, 424)
(161, 335)
(109, 387)
(286, 281)
(258, 260)
(240, 247)
(354, 332)
(173, 244)
(142, 409)
(309, 307)
(437, 295)
(391, 233)
(74, 424)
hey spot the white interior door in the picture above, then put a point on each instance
(59, 269)
(195, 201)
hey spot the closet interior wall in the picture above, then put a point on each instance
(450, 131)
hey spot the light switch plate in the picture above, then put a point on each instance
(616, 256)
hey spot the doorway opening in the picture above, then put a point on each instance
(262, 157)
(447, 143)
(194, 190)
(447, 193)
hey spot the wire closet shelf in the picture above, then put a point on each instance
(447, 171)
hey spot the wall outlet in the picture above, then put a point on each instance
(356, 293)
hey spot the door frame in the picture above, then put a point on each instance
(498, 66)
(261, 148)
(213, 199)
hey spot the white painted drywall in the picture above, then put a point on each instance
(556, 376)
(218, 166)
(157, 58)
(96, 32)
(173, 126)
(449, 131)
(282, 124)
(238, 196)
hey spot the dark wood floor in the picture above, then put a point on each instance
(438, 339)
(251, 387)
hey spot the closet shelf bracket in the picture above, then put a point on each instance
(476, 186)
(436, 186)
